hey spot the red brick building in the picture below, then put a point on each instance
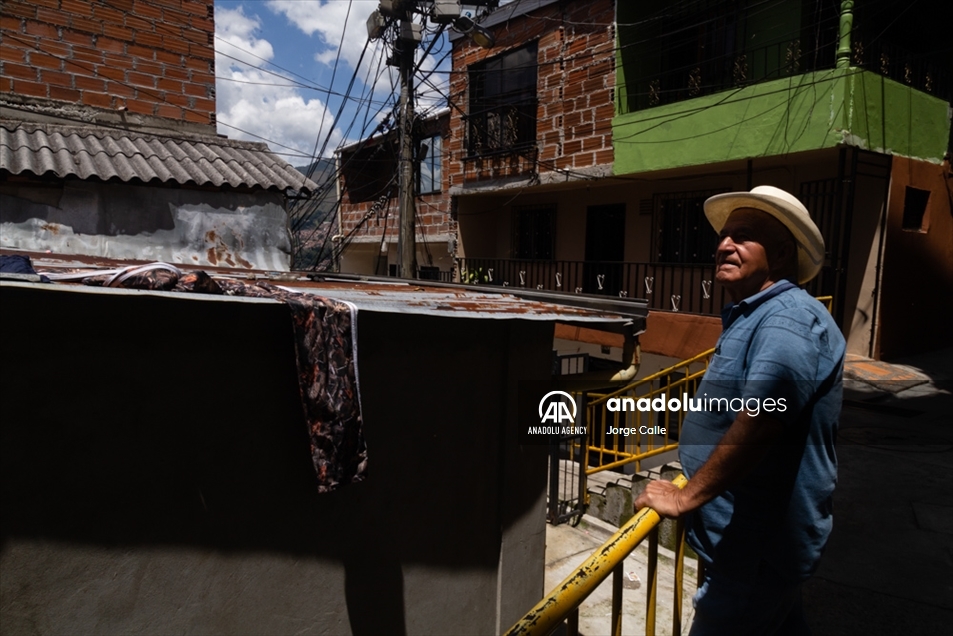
(368, 220)
(151, 57)
(540, 102)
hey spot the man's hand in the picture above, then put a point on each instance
(743, 446)
(663, 497)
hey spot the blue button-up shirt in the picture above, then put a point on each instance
(782, 354)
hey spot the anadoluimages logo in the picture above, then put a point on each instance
(554, 410)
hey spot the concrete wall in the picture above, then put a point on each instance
(917, 280)
(242, 230)
(365, 257)
(156, 476)
(796, 114)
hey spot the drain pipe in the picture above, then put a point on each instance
(631, 350)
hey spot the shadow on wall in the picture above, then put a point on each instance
(138, 424)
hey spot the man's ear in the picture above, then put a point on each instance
(786, 255)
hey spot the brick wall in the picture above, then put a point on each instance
(370, 218)
(433, 217)
(153, 57)
(575, 81)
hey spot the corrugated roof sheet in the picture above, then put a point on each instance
(109, 153)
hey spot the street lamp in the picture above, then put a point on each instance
(474, 31)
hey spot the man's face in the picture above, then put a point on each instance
(746, 245)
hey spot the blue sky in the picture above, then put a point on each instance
(277, 89)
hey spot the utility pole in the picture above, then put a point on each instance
(406, 242)
(409, 36)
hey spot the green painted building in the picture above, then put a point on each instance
(845, 104)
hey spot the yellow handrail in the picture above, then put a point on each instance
(624, 451)
(621, 452)
(558, 604)
(655, 376)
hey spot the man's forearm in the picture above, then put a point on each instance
(743, 446)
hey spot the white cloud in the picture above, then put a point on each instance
(338, 24)
(277, 114)
(285, 114)
(329, 19)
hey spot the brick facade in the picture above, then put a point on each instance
(151, 57)
(575, 89)
(380, 217)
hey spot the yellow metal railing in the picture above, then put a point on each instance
(621, 437)
(610, 447)
(563, 602)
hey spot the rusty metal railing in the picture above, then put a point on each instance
(562, 604)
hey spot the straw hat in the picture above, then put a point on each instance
(786, 208)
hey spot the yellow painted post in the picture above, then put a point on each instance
(651, 594)
(617, 599)
(679, 575)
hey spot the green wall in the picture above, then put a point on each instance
(804, 112)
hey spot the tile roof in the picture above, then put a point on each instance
(127, 156)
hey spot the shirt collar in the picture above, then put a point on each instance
(731, 311)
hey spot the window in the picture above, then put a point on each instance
(914, 208)
(428, 166)
(503, 102)
(535, 232)
(682, 233)
(369, 172)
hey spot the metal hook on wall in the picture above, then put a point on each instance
(676, 299)
(523, 279)
(649, 281)
(600, 278)
(559, 280)
(489, 274)
(706, 289)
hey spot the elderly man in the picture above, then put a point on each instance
(758, 498)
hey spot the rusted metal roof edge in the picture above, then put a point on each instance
(119, 291)
(632, 308)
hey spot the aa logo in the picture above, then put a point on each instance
(554, 408)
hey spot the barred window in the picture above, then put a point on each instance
(682, 233)
(535, 232)
(503, 101)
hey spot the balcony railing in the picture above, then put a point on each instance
(902, 66)
(668, 287)
(733, 69)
